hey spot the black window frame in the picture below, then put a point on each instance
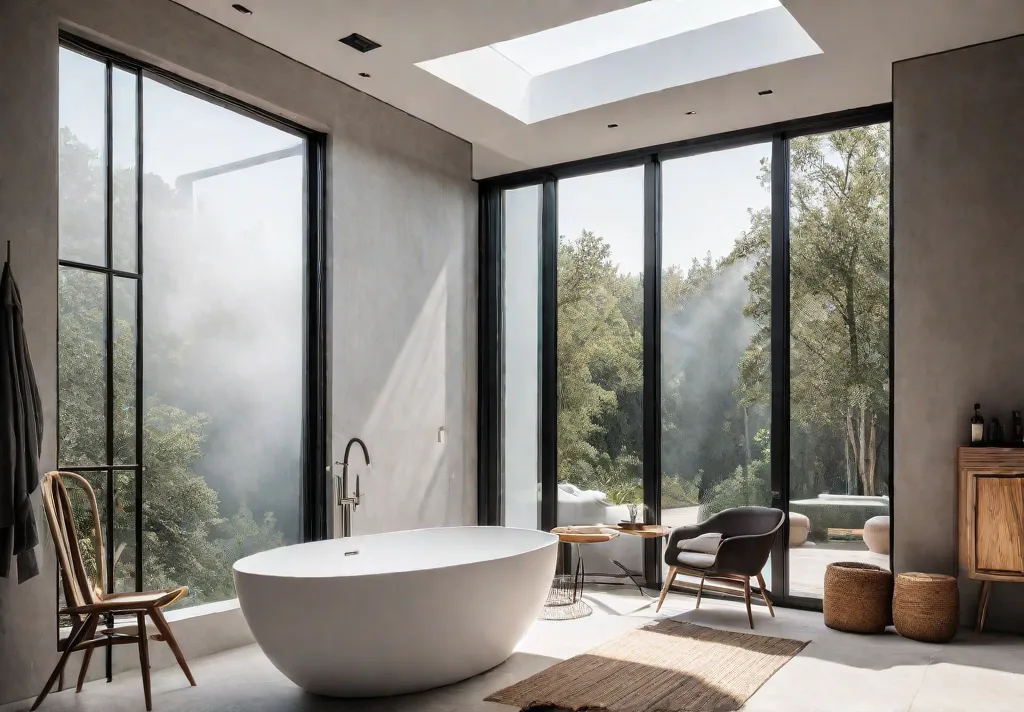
(315, 505)
(490, 345)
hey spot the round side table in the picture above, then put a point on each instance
(565, 597)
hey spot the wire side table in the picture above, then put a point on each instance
(565, 597)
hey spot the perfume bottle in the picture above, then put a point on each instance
(977, 426)
(1018, 427)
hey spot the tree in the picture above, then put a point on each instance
(839, 291)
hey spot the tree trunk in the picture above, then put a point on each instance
(851, 442)
(862, 460)
(746, 452)
(846, 456)
(872, 457)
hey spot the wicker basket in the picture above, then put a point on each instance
(926, 607)
(858, 597)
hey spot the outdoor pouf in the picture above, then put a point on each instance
(926, 607)
(876, 534)
(799, 529)
(858, 597)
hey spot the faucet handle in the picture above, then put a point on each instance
(355, 503)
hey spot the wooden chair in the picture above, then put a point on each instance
(87, 604)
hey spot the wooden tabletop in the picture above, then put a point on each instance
(585, 534)
(649, 531)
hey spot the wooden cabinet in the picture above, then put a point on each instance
(991, 540)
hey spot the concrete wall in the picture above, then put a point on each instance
(958, 154)
(402, 215)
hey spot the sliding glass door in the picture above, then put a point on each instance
(715, 344)
(695, 328)
(839, 459)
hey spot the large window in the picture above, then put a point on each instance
(521, 357)
(713, 333)
(716, 380)
(182, 323)
(839, 350)
(600, 339)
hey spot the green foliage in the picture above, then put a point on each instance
(185, 538)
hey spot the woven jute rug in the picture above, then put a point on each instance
(670, 666)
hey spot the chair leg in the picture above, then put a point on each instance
(73, 641)
(161, 625)
(144, 659)
(746, 599)
(86, 656)
(700, 591)
(764, 594)
(668, 584)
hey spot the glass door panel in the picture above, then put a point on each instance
(600, 310)
(520, 498)
(838, 353)
(716, 304)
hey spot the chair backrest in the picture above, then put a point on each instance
(740, 521)
(80, 588)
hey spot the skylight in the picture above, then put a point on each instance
(593, 37)
(644, 48)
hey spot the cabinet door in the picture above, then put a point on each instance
(999, 524)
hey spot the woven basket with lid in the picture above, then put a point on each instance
(858, 597)
(926, 607)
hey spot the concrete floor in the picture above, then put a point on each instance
(837, 671)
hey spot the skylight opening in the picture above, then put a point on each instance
(645, 48)
(593, 37)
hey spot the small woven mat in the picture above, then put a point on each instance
(670, 666)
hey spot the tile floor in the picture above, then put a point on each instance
(837, 671)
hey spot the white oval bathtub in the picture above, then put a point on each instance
(408, 611)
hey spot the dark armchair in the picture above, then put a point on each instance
(729, 548)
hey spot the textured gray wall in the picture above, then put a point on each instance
(958, 157)
(28, 217)
(402, 216)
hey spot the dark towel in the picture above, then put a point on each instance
(21, 436)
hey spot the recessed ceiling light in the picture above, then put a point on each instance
(691, 113)
(364, 75)
(765, 92)
(358, 42)
(242, 9)
(613, 126)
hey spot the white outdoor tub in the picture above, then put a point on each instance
(408, 611)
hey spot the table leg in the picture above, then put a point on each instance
(632, 577)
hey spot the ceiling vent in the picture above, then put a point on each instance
(358, 42)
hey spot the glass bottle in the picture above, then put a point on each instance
(977, 426)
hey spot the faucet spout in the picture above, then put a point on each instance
(349, 503)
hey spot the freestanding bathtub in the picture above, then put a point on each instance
(388, 614)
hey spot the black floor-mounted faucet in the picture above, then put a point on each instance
(347, 503)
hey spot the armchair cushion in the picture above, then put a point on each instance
(702, 544)
(696, 560)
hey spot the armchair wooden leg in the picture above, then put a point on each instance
(144, 659)
(165, 630)
(764, 594)
(73, 641)
(87, 655)
(746, 599)
(700, 590)
(668, 584)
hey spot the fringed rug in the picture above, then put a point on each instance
(670, 666)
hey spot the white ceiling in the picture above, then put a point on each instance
(859, 39)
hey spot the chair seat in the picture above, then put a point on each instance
(132, 601)
(696, 560)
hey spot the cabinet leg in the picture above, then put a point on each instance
(986, 592)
